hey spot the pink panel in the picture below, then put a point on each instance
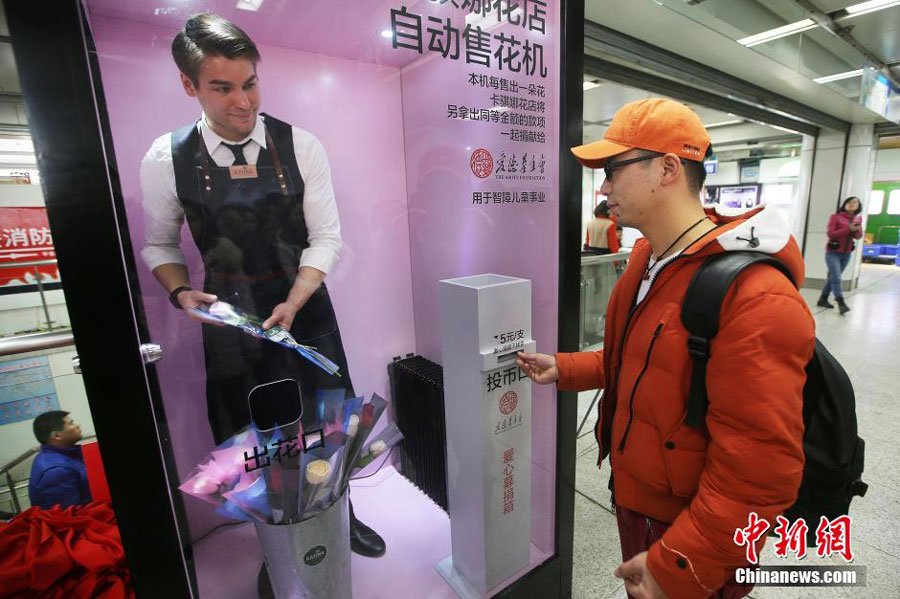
(453, 237)
(341, 28)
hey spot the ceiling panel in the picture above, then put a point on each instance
(788, 10)
(839, 50)
(705, 38)
(833, 5)
(851, 88)
(601, 103)
(878, 32)
(710, 116)
(747, 17)
(9, 77)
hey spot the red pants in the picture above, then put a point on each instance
(637, 532)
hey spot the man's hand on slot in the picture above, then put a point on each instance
(541, 368)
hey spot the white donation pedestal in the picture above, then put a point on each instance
(485, 320)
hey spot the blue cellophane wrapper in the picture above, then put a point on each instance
(252, 501)
(251, 324)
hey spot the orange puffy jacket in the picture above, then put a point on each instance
(749, 457)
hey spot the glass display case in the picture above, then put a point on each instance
(384, 147)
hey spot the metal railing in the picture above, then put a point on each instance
(40, 285)
(598, 277)
(21, 344)
(5, 470)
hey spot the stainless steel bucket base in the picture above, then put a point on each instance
(310, 559)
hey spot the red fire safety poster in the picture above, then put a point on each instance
(24, 239)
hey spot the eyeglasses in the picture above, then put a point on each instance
(610, 167)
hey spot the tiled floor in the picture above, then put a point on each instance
(867, 343)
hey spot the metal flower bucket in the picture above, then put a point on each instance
(310, 559)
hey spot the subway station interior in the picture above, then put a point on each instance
(410, 199)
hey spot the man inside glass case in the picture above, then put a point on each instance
(258, 199)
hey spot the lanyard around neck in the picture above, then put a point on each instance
(649, 267)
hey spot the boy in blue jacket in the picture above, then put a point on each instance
(58, 475)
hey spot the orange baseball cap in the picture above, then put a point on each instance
(654, 124)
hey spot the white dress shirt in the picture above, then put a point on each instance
(164, 214)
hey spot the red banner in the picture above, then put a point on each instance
(25, 237)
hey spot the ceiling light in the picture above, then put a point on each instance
(724, 124)
(17, 159)
(866, 7)
(251, 5)
(589, 85)
(387, 33)
(785, 129)
(838, 76)
(778, 32)
(16, 145)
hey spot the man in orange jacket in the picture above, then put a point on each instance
(681, 492)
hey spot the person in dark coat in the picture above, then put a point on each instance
(844, 228)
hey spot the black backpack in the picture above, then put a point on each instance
(834, 452)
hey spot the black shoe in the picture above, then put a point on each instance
(824, 303)
(364, 540)
(263, 584)
(842, 307)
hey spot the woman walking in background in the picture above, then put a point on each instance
(844, 226)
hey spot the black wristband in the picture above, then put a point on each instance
(173, 297)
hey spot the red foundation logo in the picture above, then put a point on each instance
(482, 163)
(508, 402)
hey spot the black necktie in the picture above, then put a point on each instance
(238, 151)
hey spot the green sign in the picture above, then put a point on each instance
(315, 555)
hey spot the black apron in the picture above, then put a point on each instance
(250, 233)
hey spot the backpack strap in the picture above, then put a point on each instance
(700, 316)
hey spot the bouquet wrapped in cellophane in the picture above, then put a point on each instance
(283, 471)
(251, 324)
